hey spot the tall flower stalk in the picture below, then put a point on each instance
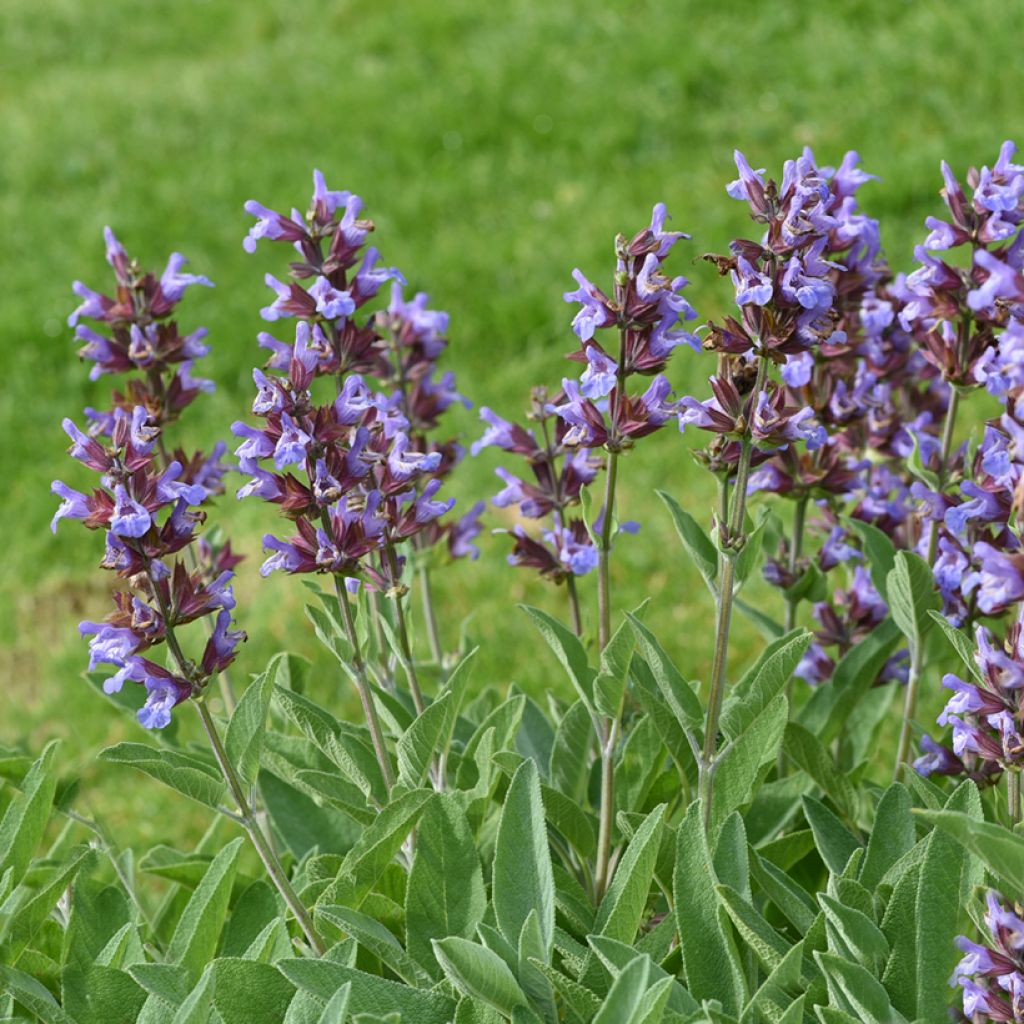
(149, 509)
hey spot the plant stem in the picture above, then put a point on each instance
(608, 731)
(608, 736)
(1013, 796)
(376, 613)
(909, 707)
(430, 618)
(716, 696)
(574, 604)
(947, 445)
(363, 683)
(795, 550)
(246, 818)
(403, 636)
(604, 605)
(274, 869)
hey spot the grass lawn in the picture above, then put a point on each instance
(497, 146)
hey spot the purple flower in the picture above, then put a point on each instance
(749, 186)
(999, 581)
(797, 370)
(129, 518)
(752, 287)
(173, 282)
(74, 505)
(330, 302)
(292, 445)
(595, 310)
(270, 225)
(1002, 281)
(599, 378)
(464, 530)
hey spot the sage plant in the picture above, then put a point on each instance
(353, 472)
(149, 508)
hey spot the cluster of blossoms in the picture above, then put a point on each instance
(986, 716)
(647, 311)
(813, 301)
(559, 475)
(149, 500)
(969, 323)
(355, 474)
(992, 976)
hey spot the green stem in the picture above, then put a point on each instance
(795, 550)
(275, 871)
(608, 731)
(909, 708)
(1013, 796)
(246, 817)
(604, 548)
(716, 696)
(363, 684)
(944, 453)
(574, 604)
(430, 618)
(403, 635)
(377, 614)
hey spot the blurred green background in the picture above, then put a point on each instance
(497, 146)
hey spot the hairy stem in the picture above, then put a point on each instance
(430, 618)
(716, 695)
(275, 871)
(363, 684)
(1013, 796)
(403, 636)
(574, 604)
(944, 453)
(909, 708)
(796, 546)
(604, 548)
(246, 817)
(377, 614)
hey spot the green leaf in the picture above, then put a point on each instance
(891, 836)
(19, 928)
(445, 892)
(678, 694)
(1000, 850)
(369, 994)
(742, 762)
(378, 940)
(811, 586)
(695, 541)
(791, 898)
(834, 840)
(430, 734)
(336, 1010)
(765, 679)
(947, 880)
(856, 991)
(569, 651)
(910, 587)
(961, 642)
(376, 847)
(769, 628)
(188, 775)
(625, 1002)
(246, 992)
(825, 714)
(197, 935)
(617, 956)
(757, 934)
(522, 878)
(808, 753)
(750, 555)
(32, 995)
(100, 995)
(610, 683)
(572, 751)
(183, 868)
(24, 821)
(880, 552)
(623, 905)
(853, 935)
(244, 737)
(476, 971)
(198, 1005)
(711, 963)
